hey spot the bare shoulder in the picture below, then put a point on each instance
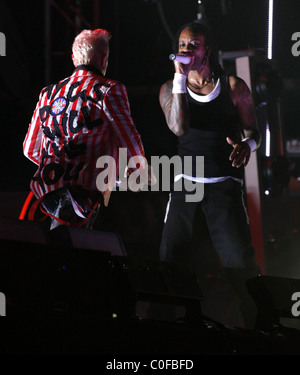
(166, 88)
(239, 90)
(237, 83)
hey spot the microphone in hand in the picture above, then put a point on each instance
(180, 58)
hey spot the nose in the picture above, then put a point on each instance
(185, 49)
(188, 48)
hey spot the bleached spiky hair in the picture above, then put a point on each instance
(88, 44)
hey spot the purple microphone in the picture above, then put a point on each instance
(180, 58)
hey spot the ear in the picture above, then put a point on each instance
(73, 59)
(104, 62)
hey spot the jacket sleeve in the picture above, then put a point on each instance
(33, 138)
(117, 110)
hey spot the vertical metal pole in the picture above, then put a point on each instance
(96, 14)
(252, 180)
(281, 135)
(116, 39)
(77, 16)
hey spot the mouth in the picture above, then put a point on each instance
(187, 54)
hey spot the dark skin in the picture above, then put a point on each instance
(198, 79)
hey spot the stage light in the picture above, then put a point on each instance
(275, 175)
(268, 140)
(270, 30)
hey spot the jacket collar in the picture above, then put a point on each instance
(89, 68)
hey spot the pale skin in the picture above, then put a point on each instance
(198, 73)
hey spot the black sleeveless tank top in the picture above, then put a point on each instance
(211, 123)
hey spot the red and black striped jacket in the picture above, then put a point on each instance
(76, 121)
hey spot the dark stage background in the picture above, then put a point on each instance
(37, 54)
(140, 47)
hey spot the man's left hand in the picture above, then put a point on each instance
(240, 154)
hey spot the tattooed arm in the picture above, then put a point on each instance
(175, 108)
(242, 98)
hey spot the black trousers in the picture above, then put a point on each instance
(225, 215)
